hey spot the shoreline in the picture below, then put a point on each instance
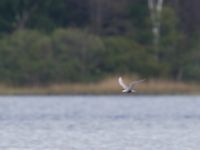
(108, 86)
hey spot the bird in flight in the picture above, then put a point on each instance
(130, 87)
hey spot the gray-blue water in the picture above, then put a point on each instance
(99, 122)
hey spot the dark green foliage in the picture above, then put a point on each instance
(45, 15)
(49, 41)
(25, 58)
(80, 52)
(126, 56)
(29, 57)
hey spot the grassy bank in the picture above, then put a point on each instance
(107, 86)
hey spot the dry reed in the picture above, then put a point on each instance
(107, 86)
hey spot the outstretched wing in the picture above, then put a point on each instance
(132, 84)
(124, 86)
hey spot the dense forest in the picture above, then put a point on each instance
(61, 41)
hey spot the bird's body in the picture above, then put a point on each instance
(128, 88)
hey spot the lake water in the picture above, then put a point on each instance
(100, 122)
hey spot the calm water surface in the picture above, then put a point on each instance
(100, 122)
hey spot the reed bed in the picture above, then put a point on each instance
(107, 86)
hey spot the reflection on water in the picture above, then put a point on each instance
(100, 122)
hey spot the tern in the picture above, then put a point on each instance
(129, 88)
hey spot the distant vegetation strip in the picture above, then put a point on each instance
(108, 86)
(30, 57)
(44, 42)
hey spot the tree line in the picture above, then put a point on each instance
(48, 41)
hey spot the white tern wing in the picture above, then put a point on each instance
(122, 83)
(132, 84)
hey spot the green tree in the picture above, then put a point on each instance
(80, 53)
(172, 52)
